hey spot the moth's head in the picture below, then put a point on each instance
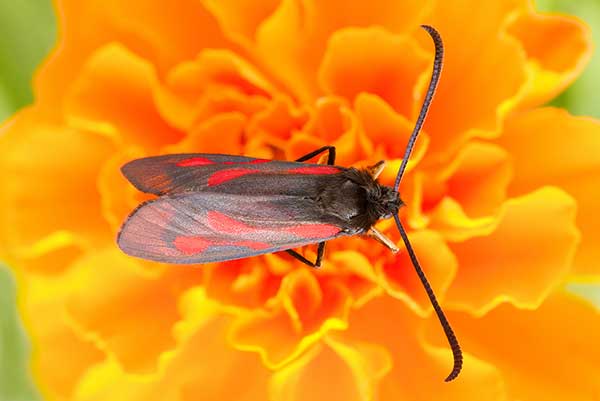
(384, 200)
(388, 202)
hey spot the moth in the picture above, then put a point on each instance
(213, 208)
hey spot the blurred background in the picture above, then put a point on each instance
(27, 34)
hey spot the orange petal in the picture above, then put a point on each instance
(527, 255)
(477, 78)
(292, 41)
(346, 147)
(49, 191)
(558, 47)
(418, 369)
(386, 133)
(53, 337)
(331, 122)
(119, 197)
(437, 261)
(354, 270)
(550, 353)
(244, 283)
(304, 312)
(220, 134)
(477, 178)
(332, 118)
(241, 19)
(134, 312)
(115, 73)
(216, 81)
(374, 61)
(278, 122)
(164, 37)
(332, 371)
(203, 367)
(550, 147)
(449, 219)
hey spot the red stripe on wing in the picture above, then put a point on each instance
(255, 161)
(225, 224)
(203, 161)
(227, 175)
(191, 245)
(195, 245)
(195, 161)
(314, 170)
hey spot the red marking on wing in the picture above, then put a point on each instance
(314, 170)
(226, 175)
(225, 224)
(255, 161)
(314, 230)
(191, 245)
(197, 244)
(195, 161)
(203, 161)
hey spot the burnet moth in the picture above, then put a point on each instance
(213, 208)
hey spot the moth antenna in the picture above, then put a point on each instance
(435, 77)
(452, 340)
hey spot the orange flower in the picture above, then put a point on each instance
(501, 202)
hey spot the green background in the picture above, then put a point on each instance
(27, 33)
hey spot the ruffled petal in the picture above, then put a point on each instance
(216, 82)
(401, 281)
(241, 19)
(47, 321)
(419, 367)
(49, 203)
(292, 41)
(550, 147)
(303, 312)
(165, 36)
(331, 122)
(203, 366)
(384, 135)
(332, 371)
(552, 68)
(277, 124)
(374, 61)
(477, 178)
(113, 95)
(525, 256)
(477, 78)
(220, 134)
(550, 353)
(134, 313)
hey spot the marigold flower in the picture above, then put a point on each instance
(500, 191)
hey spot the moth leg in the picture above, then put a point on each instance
(331, 162)
(302, 259)
(380, 237)
(330, 156)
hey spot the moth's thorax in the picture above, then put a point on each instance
(358, 200)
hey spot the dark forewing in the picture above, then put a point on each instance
(177, 173)
(209, 227)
